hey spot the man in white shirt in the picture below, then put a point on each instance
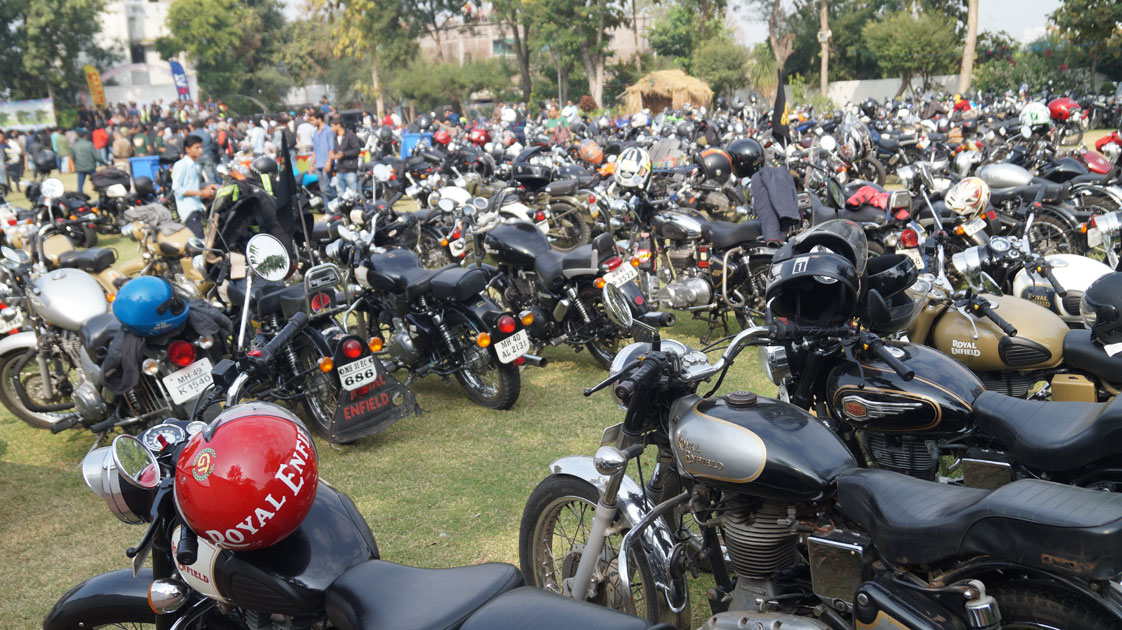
(185, 184)
(304, 134)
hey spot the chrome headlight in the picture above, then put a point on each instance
(1109, 223)
(969, 261)
(199, 264)
(775, 364)
(124, 474)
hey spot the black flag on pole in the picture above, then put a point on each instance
(779, 127)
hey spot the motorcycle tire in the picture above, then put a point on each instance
(19, 369)
(872, 170)
(486, 381)
(1051, 235)
(568, 228)
(321, 389)
(1029, 605)
(560, 498)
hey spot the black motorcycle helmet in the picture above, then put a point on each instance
(813, 289)
(747, 156)
(685, 129)
(424, 121)
(716, 165)
(969, 127)
(385, 134)
(722, 103)
(144, 186)
(265, 166)
(887, 306)
(45, 161)
(1101, 309)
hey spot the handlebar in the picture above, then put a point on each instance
(644, 376)
(1046, 270)
(981, 307)
(876, 345)
(263, 357)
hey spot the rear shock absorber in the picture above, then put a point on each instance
(582, 308)
(445, 334)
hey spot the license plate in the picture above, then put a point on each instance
(188, 383)
(914, 255)
(359, 373)
(1094, 237)
(621, 275)
(974, 226)
(513, 346)
(1112, 258)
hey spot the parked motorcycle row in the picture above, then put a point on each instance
(939, 452)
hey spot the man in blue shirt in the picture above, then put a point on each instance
(185, 183)
(323, 145)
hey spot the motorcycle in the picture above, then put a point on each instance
(169, 256)
(794, 533)
(328, 572)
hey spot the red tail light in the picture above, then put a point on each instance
(506, 324)
(456, 234)
(592, 200)
(613, 262)
(12, 221)
(352, 348)
(540, 215)
(181, 353)
(909, 238)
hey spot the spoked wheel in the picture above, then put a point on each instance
(1035, 606)
(321, 389)
(433, 255)
(870, 169)
(486, 381)
(555, 526)
(1049, 235)
(23, 393)
(568, 228)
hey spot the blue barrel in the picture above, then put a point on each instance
(409, 141)
(146, 166)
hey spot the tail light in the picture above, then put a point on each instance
(352, 349)
(456, 234)
(539, 215)
(181, 353)
(903, 215)
(506, 324)
(613, 262)
(909, 238)
(592, 200)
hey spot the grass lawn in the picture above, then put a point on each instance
(440, 489)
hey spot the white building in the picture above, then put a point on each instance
(143, 76)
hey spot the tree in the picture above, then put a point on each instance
(723, 64)
(674, 34)
(1093, 26)
(45, 43)
(908, 46)
(593, 20)
(520, 17)
(433, 84)
(970, 47)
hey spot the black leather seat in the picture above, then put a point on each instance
(935, 136)
(563, 188)
(888, 144)
(554, 267)
(400, 271)
(1082, 353)
(726, 235)
(1036, 523)
(1051, 436)
(380, 595)
(865, 214)
(458, 284)
(97, 332)
(424, 214)
(588, 181)
(1027, 194)
(270, 298)
(93, 260)
(530, 608)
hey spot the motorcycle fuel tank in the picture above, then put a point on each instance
(756, 446)
(1075, 274)
(517, 243)
(871, 396)
(1005, 175)
(1039, 342)
(676, 226)
(68, 298)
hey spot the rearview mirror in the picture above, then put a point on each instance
(135, 462)
(267, 257)
(52, 188)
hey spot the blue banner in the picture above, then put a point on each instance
(180, 78)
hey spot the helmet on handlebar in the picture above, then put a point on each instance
(1101, 308)
(716, 164)
(249, 479)
(747, 156)
(969, 197)
(813, 289)
(1035, 114)
(148, 307)
(633, 168)
(265, 166)
(591, 152)
(385, 134)
(888, 306)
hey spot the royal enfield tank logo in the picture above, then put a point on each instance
(204, 464)
(965, 347)
(691, 454)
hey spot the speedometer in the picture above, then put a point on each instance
(195, 427)
(1000, 244)
(160, 436)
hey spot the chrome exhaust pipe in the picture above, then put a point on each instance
(534, 360)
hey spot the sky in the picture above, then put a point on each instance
(1023, 19)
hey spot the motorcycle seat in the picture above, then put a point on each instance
(1031, 522)
(93, 260)
(424, 214)
(1027, 194)
(865, 214)
(536, 608)
(271, 298)
(588, 181)
(1051, 436)
(380, 594)
(888, 144)
(935, 136)
(726, 235)
(1091, 178)
(97, 332)
(458, 284)
(554, 267)
(563, 188)
(1083, 353)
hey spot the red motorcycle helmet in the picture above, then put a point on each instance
(1062, 108)
(442, 136)
(248, 479)
(479, 136)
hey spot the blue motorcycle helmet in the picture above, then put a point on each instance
(148, 307)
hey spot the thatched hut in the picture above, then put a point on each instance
(666, 88)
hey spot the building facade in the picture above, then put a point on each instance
(142, 76)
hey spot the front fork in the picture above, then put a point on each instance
(611, 462)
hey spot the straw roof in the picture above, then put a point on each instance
(666, 88)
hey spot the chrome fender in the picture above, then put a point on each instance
(19, 341)
(657, 539)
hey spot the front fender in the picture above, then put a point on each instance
(657, 539)
(115, 597)
(19, 341)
